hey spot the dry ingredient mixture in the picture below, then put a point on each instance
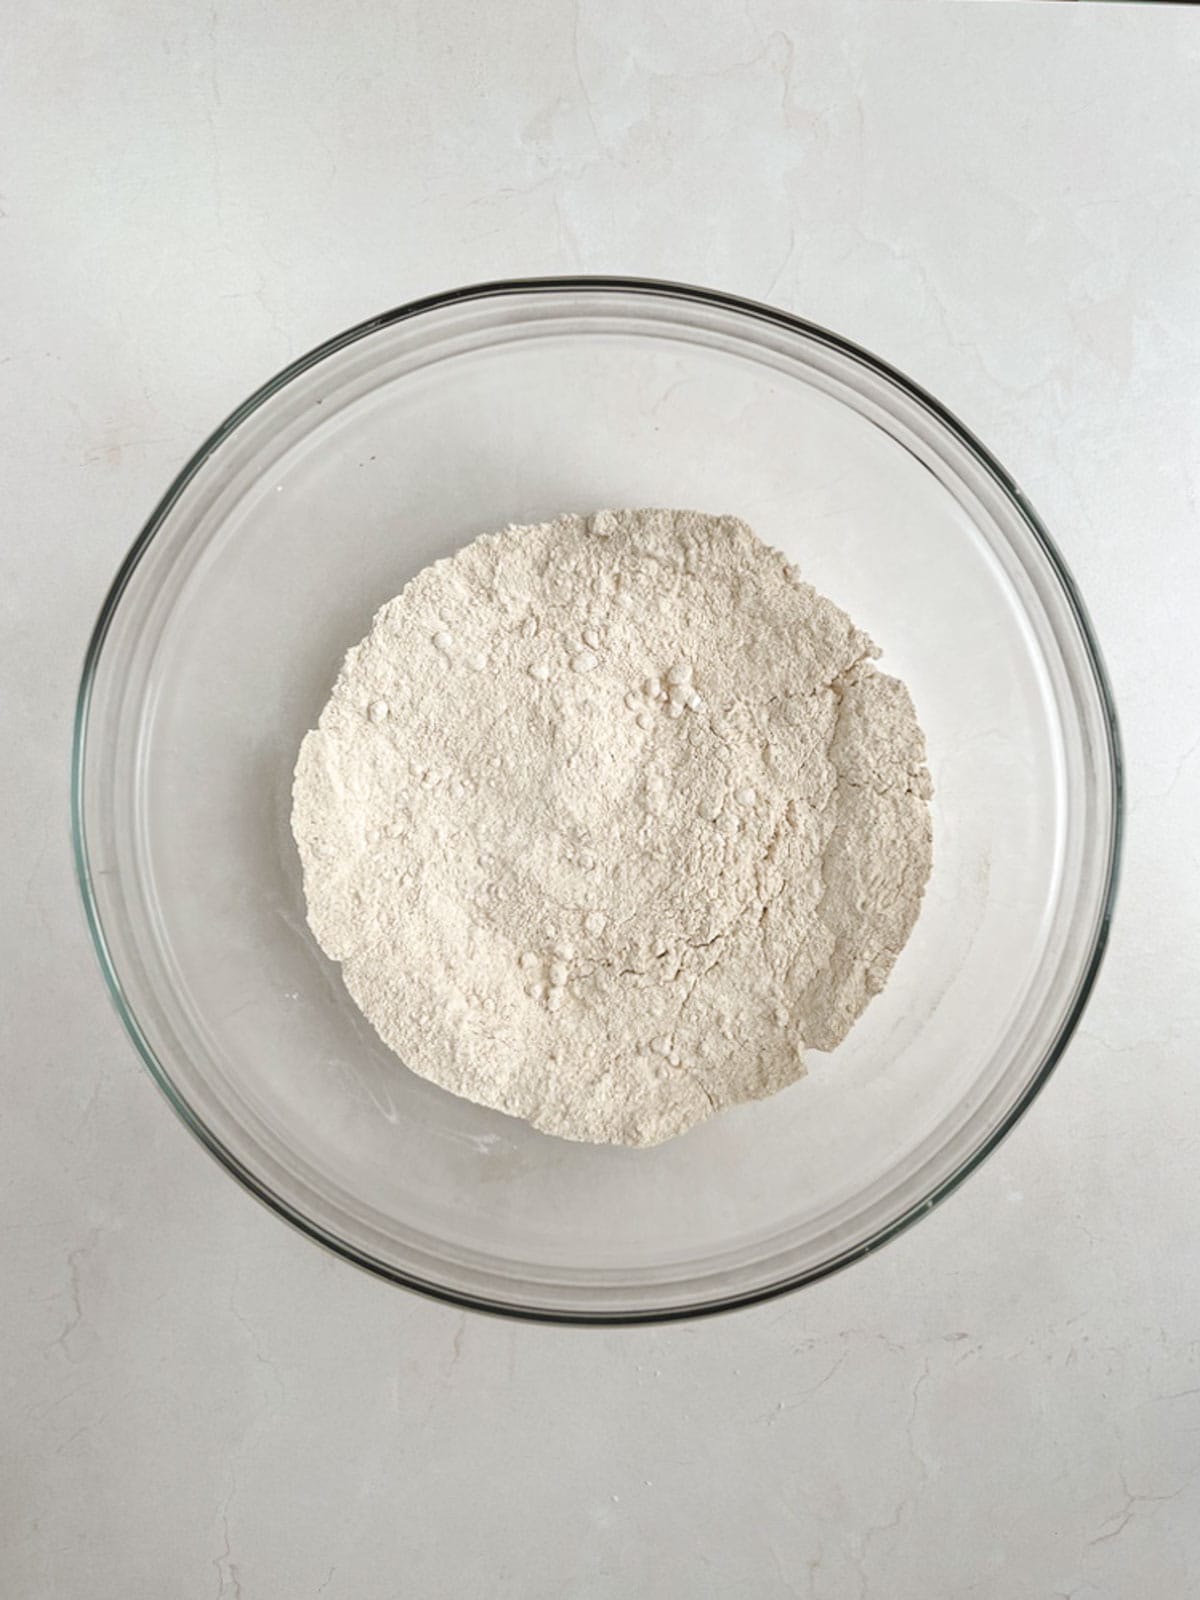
(609, 819)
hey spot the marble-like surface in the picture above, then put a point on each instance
(1002, 199)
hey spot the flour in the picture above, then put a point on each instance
(608, 819)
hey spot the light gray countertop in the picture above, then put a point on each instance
(1000, 199)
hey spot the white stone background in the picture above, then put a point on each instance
(1002, 199)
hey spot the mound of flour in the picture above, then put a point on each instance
(609, 819)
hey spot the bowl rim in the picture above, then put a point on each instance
(585, 284)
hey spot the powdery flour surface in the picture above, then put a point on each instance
(608, 819)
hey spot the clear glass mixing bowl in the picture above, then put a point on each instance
(394, 444)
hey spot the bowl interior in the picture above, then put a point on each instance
(397, 447)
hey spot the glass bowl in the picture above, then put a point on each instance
(394, 444)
